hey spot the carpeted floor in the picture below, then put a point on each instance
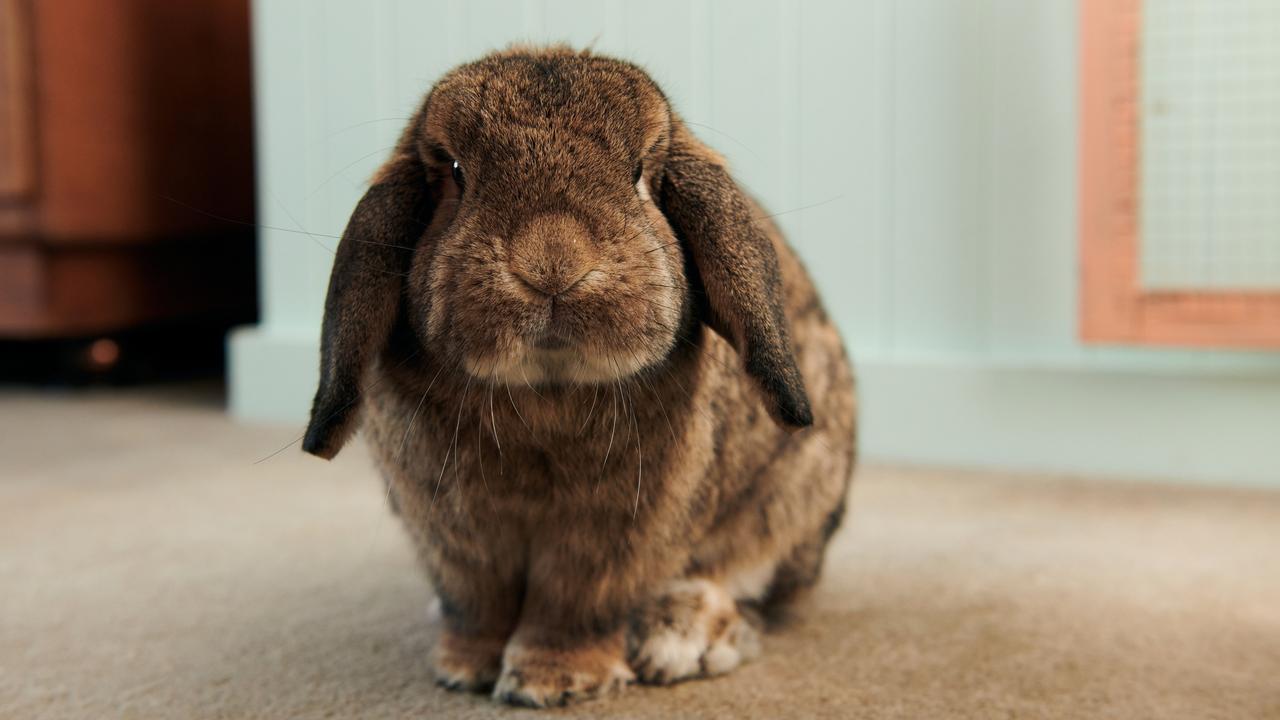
(149, 569)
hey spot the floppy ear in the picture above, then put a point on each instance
(738, 267)
(369, 270)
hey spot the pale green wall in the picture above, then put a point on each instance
(935, 140)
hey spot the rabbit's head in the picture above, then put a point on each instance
(547, 219)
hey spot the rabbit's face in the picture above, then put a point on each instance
(547, 259)
(526, 228)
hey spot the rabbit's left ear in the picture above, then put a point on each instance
(738, 267)
(369, 270)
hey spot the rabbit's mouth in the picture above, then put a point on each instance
(552, 340)
(559, 361)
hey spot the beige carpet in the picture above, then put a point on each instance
(148, 569)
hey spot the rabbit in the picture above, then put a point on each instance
(605, 397)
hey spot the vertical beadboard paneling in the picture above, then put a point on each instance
(349, 147)
(1030, 161)
(701, 51)
(535, 18)
(599, 24)
(936, 254)
(424, 35)
(294, 269)
(791, 167)
(488, 25)
(841, 83)
(887, 23)
(385, 15)
(746, 81)
(661, 39)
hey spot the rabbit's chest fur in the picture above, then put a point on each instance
(479, 453)
(680, 464)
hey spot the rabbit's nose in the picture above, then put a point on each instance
(553, 284)
(551, 254)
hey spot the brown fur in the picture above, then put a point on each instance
(584, 392)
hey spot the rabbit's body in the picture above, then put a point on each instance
(578, 527)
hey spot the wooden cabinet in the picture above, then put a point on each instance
(126, 165)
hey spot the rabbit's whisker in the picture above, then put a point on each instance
(233, 221)
(480, 452)
(594, 396)
(300, 227)
(513, 407)
(349, 128)
(409, 428)
(727, 136)
(480, 448)
(612, 429)
(639, 461)
(755, 218)
(787, 212)
(343, 169)
(494, 426)
(382, 244)
(528, 384)
(647, 228)
(627, 407)
(661, 406)
(635, 510)
(443, 465)
(451, 450)
(416, 410)
(652, 302)
(456, 452)
(326, 247)
(660, 247)
(337, 412)
(666, 371)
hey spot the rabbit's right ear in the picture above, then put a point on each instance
(369, 271)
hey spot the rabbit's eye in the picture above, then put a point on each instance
(458, 176)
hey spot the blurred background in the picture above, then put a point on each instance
(1049, 231)
(1020, 285)
(126, 131)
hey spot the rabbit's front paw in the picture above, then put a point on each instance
(466, 663)
(693, 629)
(538, 677)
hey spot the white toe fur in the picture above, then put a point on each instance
(705, 636)
(721, 658)
(673, 655)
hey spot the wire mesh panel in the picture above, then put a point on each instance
(1178, 188)
(1210, 142)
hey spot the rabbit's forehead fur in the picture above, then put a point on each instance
(546, 112)
(547, 259)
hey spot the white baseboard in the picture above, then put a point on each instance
(1194, 427)
(272, 376)
(1096, 421)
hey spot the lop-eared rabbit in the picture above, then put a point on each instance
(607, 401)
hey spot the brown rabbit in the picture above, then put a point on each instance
(585, 361)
